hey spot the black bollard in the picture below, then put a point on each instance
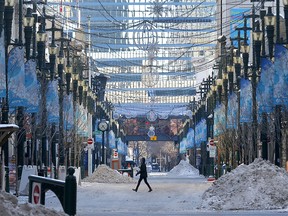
(70, 193)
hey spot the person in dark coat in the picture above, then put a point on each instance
(143, 175)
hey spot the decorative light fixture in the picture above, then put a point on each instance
(116, 115)
(270, 20)
(230, 71)
(151, 131)
(245, 54)
(151, 116)
(75, 78)
(41, 41)
(68, 75)
(28, 25)
(257, 38)
(150, 76)
(80, 91)
(8, 18)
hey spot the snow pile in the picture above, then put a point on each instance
(9, 206)
(104, 174)
(257, 186)
(184, 168)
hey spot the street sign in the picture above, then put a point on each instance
(153, 138)
(211, 142)
(212, 151)
(115, 154)
(36, 193)
(90, 141)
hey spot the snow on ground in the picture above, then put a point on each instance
(184, 168)
(9, 206)
(259, 185)
(104, 174)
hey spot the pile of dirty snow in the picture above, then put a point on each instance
(257, 186)
(9, 206)
(104, 174)
(184, 168)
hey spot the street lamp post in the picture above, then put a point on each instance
(28, 29)
(237, 70)
(53, 50)
(285, 3)
(244, 48)
(270, 23)
(61, 61)
(8, 17)
(262, 15)
(2, 5)
(257, 39)
(41, 43)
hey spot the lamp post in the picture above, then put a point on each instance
(60, 68)
(8, 17)
(285, 3)
(2, 5)
(219, 83)
(28, 28)
(257, 36)
(53, 51)
(262, 15)
(41, 42)
(244, 48)
(237, 69)
(74, 88)
(225, 89)
(257, 39)
(68, 73)
(230, 72)
(270, 23)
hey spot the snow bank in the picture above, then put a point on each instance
(184, 168)
(257, 186)
(9, 207)
(104, 174)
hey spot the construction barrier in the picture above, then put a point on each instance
(66, 191)
(24, 182)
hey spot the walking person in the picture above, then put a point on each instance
(143, 175)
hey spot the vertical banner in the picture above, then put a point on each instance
(219, 120)
(246, 101)
(265, 87)
(182, 148)
(81, 120)
(32, 86)
(111, 140)
(16, 78)
(200, 132)
(2, 68)
(53, 102)
(280, 93)
(190, 138)
(232, 111)
(120, 145)
(68, 112)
